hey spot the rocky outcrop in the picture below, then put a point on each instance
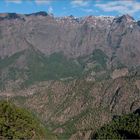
(119, 73)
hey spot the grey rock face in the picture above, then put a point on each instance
(116, 36)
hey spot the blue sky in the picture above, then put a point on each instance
(76, 8)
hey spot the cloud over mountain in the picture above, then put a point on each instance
(130, 7)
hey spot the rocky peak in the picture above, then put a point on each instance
(9, 16)
(124, 18)
(41, 13)
(94, 21)
(68, 20)
(72, 17)
(138, 23)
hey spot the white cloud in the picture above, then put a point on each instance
(122, 7)
(50, 9)
(14, 1)
(42, 2)
(82, 3)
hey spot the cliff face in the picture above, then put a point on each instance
(116, 36)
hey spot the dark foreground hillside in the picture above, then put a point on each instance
(17, 123)
(122, 127)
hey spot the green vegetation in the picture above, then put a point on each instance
(39, 67)
(14, 73)
(54, 67)
(100, 57)
(102, 76)
(122, 127)
(17, 123)
(9, 60)
(97, 61)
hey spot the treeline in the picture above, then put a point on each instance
(17, 123)
(121, 127)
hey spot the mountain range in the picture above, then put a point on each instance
(75, 74)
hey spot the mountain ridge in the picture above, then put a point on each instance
(70, 36)
(75, 74)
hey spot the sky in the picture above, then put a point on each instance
(77, 8)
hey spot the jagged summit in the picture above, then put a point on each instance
(118, 19)
(74, 36)
(128, 17)
(14, 16)
(9, 16)
(138, 22)
(124, 18)
(41, 13)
